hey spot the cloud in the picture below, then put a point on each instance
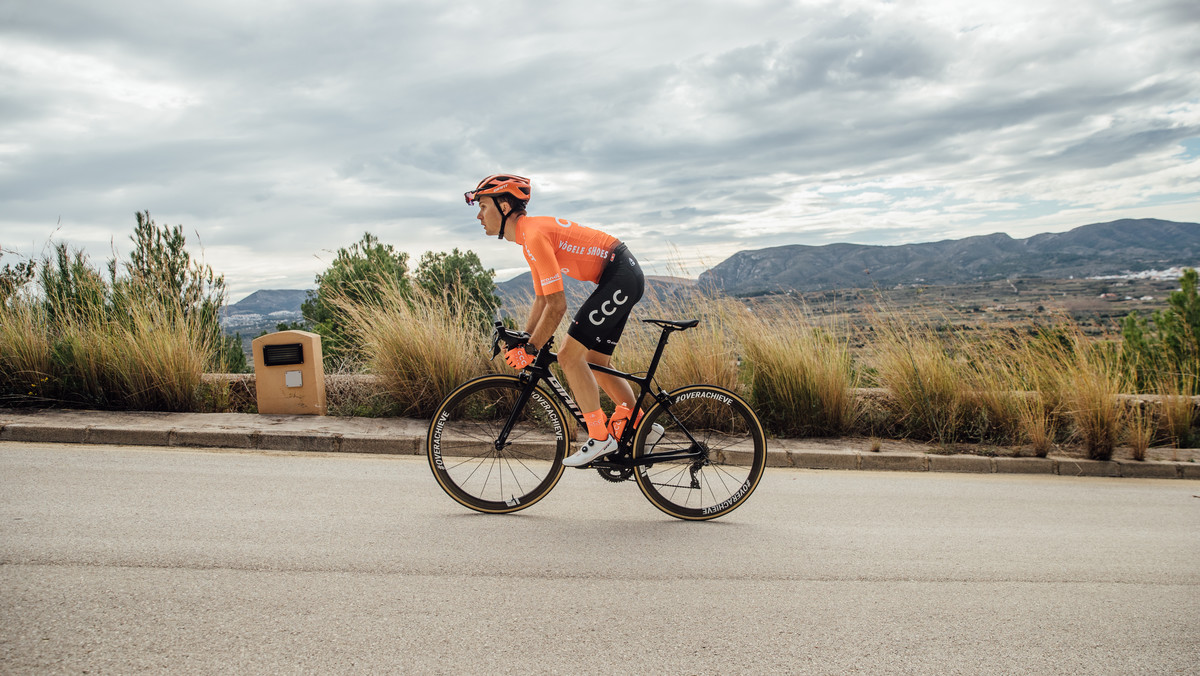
(691, 129)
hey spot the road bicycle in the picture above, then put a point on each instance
(496, 443)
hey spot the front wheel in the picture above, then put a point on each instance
(731, 452)
(463, 454)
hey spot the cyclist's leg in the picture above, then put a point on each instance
(598, 326)
(601, 318)
(617, 389)
(573, 358)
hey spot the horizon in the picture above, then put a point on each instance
(277, 134)
(523, 272)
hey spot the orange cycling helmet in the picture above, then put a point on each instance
(501, 184)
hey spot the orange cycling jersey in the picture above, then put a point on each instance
(554, 246)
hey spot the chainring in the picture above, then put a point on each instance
(615, 474)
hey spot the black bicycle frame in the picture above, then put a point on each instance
(540, 370)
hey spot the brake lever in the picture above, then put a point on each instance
(496, 339)
(511, 338)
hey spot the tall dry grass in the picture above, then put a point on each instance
(156, 358)
(151, 357)
(1003, 386)
(420, 345)
(1090, 380)
(1013, 390)
(25, 353)
(1178, 408)
(708, 353)
(1139, 428)
(928, 385)
(802, 381)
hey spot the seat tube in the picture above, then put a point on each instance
(658, 353)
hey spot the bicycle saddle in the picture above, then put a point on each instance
(672, 325)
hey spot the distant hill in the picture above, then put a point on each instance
(268, 301)
(1099, 249)
(519, 290)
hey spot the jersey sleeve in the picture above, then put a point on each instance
(547, 274)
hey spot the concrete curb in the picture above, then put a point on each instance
(407, 437)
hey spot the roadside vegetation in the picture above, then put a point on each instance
(137, 336)
(141, 334)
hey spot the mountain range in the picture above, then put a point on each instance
(1124, 246)
(519, 290)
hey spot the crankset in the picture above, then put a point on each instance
(614, 467)
(615, 474)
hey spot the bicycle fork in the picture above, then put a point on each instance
(518, 408)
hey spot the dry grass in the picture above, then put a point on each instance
(1139, 430)
(1092, 379)
(25, 353)
(707, 353)
(1001, 386)
(417, 346)
(928, 385)
(1178, 409)
(156, 359)
(801, 378)
(150, 358)
(1013, 390)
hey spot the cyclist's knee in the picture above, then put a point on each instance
(599, 358)
(572, 350)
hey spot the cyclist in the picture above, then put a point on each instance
(553, 247)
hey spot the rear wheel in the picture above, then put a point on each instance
(731, 447)
(462, 452)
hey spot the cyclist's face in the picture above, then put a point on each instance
(490, 216)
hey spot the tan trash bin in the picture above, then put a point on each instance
(288, 373)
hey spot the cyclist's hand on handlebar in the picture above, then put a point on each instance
(520, 356)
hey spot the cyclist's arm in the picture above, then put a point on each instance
(544, 317)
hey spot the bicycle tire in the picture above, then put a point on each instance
(463, 457)
(733, 443)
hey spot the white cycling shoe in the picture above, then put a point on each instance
(594, 448)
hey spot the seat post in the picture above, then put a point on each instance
(658, 352)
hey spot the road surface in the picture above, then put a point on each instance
(136, 559)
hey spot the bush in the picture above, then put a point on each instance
(367, 271)
(1166, 349)
(356, 276)
(140, 338)
(14, 276)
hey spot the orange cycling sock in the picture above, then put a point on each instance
(596, 424)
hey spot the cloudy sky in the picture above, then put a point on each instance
(278, 131)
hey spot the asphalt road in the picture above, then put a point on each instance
(134, 559)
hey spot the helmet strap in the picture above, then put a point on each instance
(503, 217)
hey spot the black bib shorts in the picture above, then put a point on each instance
(601, 319)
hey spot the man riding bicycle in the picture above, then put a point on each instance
(553, 247)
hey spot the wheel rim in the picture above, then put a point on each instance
(733, 454)
(466, 462)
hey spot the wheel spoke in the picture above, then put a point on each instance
(464, 457)
(734, 449)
